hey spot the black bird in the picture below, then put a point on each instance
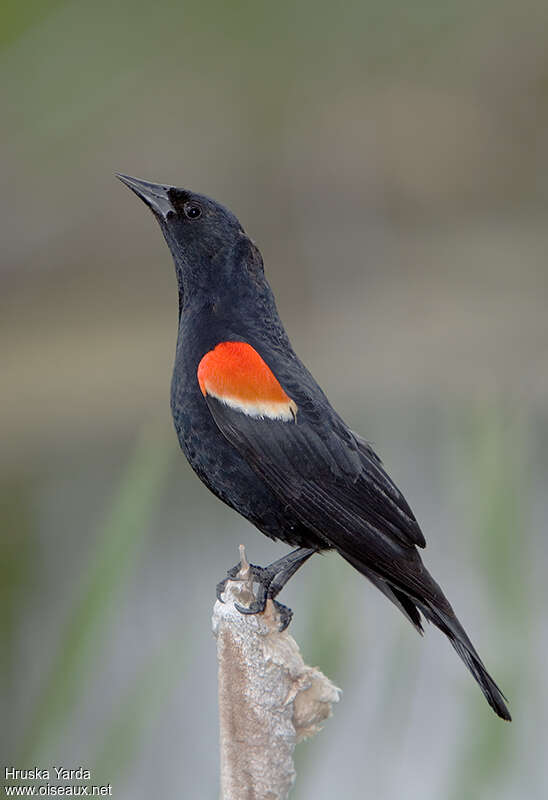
(261, 434)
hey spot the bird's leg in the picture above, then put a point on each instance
(286, 567)
(271, 580)
(294, 561)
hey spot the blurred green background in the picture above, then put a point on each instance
(390, 160)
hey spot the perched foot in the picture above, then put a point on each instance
(270, 581)
(258, 574)
(259, 606)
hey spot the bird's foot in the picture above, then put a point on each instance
(270, 581)
(285, 614)
(263, 576)
(259, 575)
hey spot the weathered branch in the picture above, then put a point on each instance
(268, 698)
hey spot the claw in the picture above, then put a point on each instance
(260, 575)
(257, 607)
(286, 615)
(219, 589)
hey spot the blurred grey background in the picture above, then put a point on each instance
(390, 159)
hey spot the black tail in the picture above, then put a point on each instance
(447, 622)
(436, 608)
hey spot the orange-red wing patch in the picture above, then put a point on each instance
(235, 374)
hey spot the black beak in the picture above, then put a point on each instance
(155, 195)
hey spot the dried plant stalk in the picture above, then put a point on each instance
(268, 698)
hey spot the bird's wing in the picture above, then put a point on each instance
(331, 478)
(333, 481)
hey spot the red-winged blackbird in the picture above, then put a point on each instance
(260, 433)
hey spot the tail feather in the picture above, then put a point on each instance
(401, 600)
(449, 624)
(426, 596)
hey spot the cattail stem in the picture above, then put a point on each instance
(268, 698)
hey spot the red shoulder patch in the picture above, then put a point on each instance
(235, 374)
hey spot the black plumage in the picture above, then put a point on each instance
(306, 478)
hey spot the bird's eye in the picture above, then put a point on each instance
(192, 211)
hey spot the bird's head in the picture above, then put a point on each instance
(211, 251)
